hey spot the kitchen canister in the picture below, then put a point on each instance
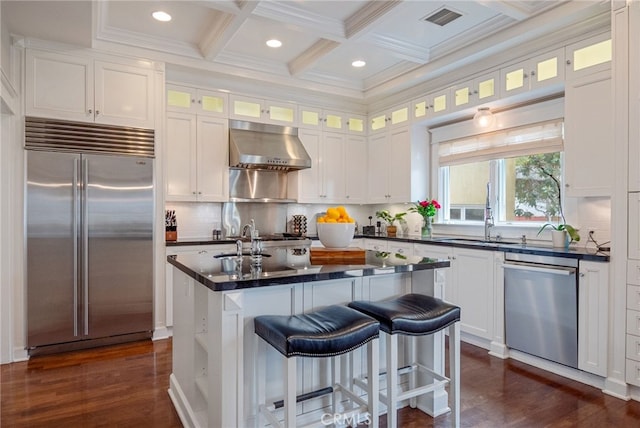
(299, 225)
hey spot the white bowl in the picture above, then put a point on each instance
(336, 235)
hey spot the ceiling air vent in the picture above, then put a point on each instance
(442, 17)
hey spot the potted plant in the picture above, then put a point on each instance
(386, 216)
(559, 231)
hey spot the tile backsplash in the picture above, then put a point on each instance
(196, 219)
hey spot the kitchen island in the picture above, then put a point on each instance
(214, 347)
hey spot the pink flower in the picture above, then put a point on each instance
(424, 203)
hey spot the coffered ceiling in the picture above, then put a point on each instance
(320, 38)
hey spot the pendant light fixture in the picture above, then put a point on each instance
(484, 118)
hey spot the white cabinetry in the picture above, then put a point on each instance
(394, 117)
(633, 323)
(337, 171)
(588, 56)
(543, 70)
(469, 284)
(194, 100)
(588, 143)
(204, 251)
(329, 120)
(197, 158)
(593, 315)
(83, 89)
(634, 226)
(264, 111)
(477, 91)
(389, 166)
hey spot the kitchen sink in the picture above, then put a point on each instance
(234, 255)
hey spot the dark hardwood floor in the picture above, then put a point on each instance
(126, 386)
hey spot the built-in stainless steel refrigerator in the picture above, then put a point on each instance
(89, 247)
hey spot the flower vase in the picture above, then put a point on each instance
(426, 227)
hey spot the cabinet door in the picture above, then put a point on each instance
(212, 156)
(212, 103)
(180, 159)
(399, 165)
(309, 117)
(439, 103)
(588, 143)
(333, 167)
(181, 99)
(378, 160)
(356, 124)
(124, 95)
(588, 56)
(547, 69)
(634, 228)
(244, 108)
(280, 113)
(475, 291)
(450, 277)
(355, 169)
(59, 86)
(515, 78)
(593, 316)
(308, 187)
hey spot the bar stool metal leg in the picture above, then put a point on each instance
(454, 372)
(373, 390)
(290, 392)
(392, 379)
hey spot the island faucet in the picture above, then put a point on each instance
(488, 215)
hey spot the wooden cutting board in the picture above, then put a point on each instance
(324, 256)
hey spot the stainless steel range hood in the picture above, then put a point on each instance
(261, 146)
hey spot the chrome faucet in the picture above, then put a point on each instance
(251, 226)
(488, 215)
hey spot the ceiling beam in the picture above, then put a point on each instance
(223, 27)
(511, 9)
(308, 58)
(364, 18)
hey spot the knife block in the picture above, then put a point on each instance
(171, 235)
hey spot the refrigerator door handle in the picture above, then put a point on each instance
(75, 209)
(85, 245)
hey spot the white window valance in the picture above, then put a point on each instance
(543, 137)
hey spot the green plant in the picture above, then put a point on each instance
(385, 215)
(426, 208)
(572, 231)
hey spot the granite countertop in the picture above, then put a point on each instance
(574, 252)
(288, 265)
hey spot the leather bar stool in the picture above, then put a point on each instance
(416, 315)
(328, 332)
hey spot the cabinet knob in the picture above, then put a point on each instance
(97, 112)
(566, 185)
(525, 75)
(90, 111)
(348, 196)
(400, 250)
(581, 275)
(193, 193)
(533, 73)
(193, 100)
(199, 193)
(199, 101)
(568, 62)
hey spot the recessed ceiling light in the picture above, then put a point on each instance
(358, 63)
(161, 16)
(274, 43)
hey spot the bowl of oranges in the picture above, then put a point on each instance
(335, 228)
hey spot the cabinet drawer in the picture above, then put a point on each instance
(633, 372)
(375, 245)
(404, 248)
(633, 347)
(633, 322)
(633, 297)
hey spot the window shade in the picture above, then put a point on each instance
(543, 137)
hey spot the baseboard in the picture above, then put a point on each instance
(181, 404)
(20, 354)
(616, 388)
(162, 333)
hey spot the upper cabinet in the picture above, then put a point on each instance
(588, 136)
(589, 56)
(476, 91)
(329, 120)
(83, 89)
(540, 71)
(200, 101)
(388, 119)
(263, 111)
(197, 158)
(431, 105)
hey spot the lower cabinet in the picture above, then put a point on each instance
(593, 316)
(470, 284)
(633, 323)
(204, 251)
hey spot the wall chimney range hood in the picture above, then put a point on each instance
(262, 146)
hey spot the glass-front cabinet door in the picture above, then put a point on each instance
(194, 100)
(589, 56)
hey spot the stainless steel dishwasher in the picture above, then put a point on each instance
(541, 306)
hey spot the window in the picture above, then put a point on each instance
(511, 168)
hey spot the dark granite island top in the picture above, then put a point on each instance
(287, 265)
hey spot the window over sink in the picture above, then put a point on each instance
(511, 161)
